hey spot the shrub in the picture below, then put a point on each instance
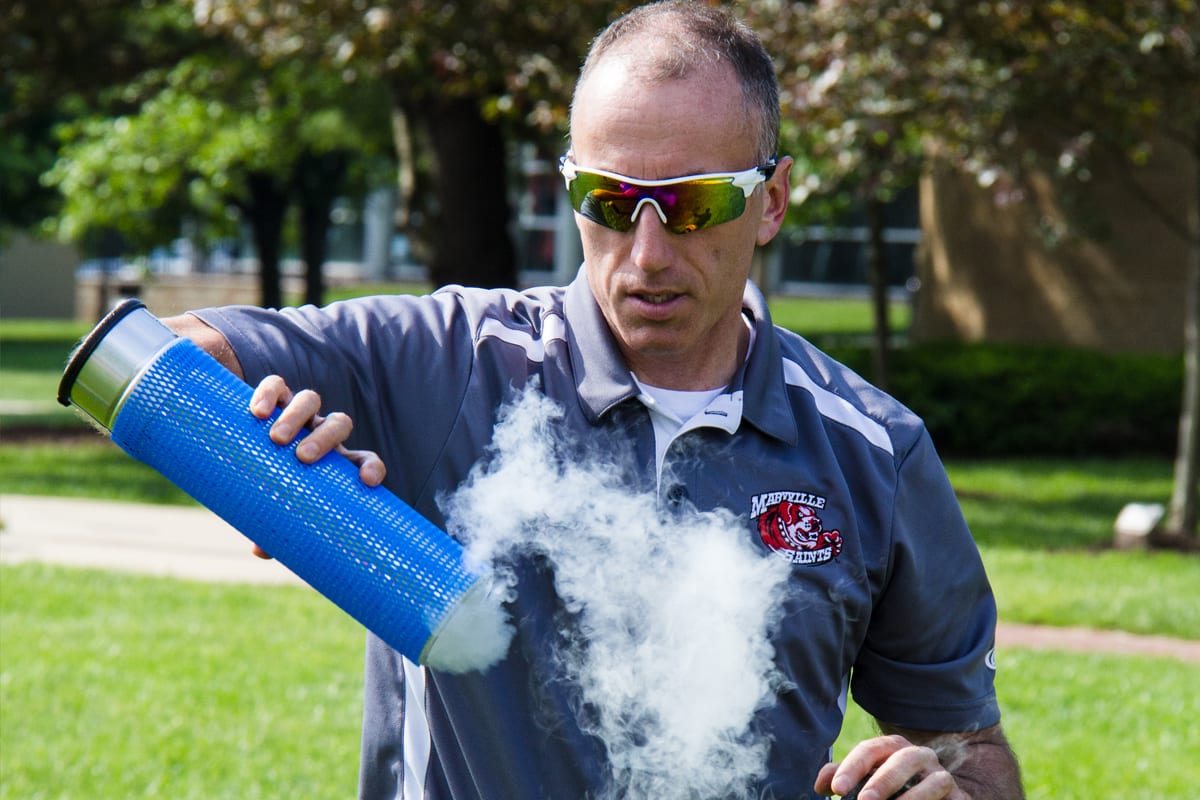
(1000, 400)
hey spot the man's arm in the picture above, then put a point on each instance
(211, 340)
(955, 766)
(300, 409)
(982, 763)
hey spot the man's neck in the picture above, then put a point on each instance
(702, 372)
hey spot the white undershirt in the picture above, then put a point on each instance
(670, 410)
(673, 409)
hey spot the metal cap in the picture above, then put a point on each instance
(110, 357)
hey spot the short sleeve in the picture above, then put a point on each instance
(928, 661)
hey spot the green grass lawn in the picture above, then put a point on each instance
(33, 354)
(1043, 529)
(117, 686)
(1053, 504)
(1042, 525)
(87, 464)
(1092, 727)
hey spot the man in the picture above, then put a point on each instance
(661, 327)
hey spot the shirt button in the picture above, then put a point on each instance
(677, 494)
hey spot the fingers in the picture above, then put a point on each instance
(859, 763)
(300, 412)
(886, 767)
(824, 784)
(271, 393)
(327, 433)
(371, 469)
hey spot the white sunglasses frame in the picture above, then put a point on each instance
(747, 180)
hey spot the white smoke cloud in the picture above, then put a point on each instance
(676, 610)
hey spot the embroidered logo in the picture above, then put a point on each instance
(789, 524)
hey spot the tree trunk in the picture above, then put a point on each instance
(1181, 514)
(318, 180)
(878, 270)
(265, 211)
(471, 240)
(406, 164)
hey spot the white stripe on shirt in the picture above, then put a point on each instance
(829, 404)
(553, 329)
(838, 408)
(417, 740)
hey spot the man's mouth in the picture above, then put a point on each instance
(656, 306)
(658, 298)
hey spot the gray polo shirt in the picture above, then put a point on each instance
(888, 598)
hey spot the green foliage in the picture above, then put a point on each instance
(977, 400)
(519, 60)
(991, 400)
(997, 89)
(25, 153)
(855, 98)
(61, 60)
(203, 127)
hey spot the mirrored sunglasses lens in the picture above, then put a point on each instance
(688, 205)
(696, 205)
(601, 200)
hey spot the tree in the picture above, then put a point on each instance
(864, 85)
(1005, 91)
(59, 59)
(1112, 78)
(462, 79)
(215, 135)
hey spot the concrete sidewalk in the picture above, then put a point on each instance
(174, 541)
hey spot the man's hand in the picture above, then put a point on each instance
(327, 433)
(949, 766)
(894, 760)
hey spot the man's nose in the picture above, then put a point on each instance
(652, 246)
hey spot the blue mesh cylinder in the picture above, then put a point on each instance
(363, 548)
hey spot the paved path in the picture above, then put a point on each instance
(174, 541)
(195, 544)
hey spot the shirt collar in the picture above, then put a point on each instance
(603, 381)
(601, 377)
(765, 401)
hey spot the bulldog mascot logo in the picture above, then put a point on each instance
(794, 531)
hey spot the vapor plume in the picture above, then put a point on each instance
(676, 609)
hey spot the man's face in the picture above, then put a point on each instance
(673, 301)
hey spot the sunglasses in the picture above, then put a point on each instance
(690, 203)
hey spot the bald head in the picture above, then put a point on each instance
(681, 39)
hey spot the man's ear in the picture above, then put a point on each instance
(776, 192)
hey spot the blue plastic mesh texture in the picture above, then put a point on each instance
(363, 548)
